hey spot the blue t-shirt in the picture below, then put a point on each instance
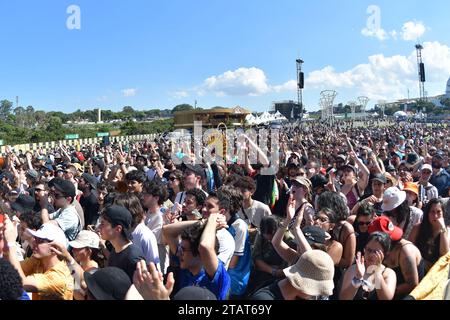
(240, 274)
(219, 285)
(441, 182)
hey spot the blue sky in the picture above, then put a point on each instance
(155, 54)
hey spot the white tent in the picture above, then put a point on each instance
(400, 114)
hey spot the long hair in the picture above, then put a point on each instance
(425, 229)
(401, 213)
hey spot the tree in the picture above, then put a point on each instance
(5, 109)
(128, 109)
(182, 107)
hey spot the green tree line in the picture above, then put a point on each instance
(26, 125)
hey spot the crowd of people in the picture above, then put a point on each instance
(352, 213)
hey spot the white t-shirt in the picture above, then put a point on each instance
(255, 213)
(144, 238)
(226, 246)
(155, 222)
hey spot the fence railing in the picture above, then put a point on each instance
(52, 144)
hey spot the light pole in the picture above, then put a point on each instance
(300, 85)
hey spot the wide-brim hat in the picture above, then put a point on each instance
(312, 274)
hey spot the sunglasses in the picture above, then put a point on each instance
(172, 178)
(362, 223)
(321, 219)
(153, 160)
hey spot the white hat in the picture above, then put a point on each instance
(85, 239)
(50, 232)
(426, 167)
(312, 274)
(392, 198)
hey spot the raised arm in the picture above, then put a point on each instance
(208, 244)
(286, 253)
(171, 233)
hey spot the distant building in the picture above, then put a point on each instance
(210, 118)
(290, 109)
(436, 100)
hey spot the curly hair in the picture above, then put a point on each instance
(198, 194)
(33, 220)
(156, 189)
(335, 202)
(11, 287)
(193, 235)
(136, 175)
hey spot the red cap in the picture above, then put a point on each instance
(383, 224)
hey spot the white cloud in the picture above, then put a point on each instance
(379, 33)
(290, 85)
(241, 82)
(180, 94)
(129, 92)
(393, 34)
(411, 30)
(386, 77)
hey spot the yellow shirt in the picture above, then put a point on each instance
(432, 287)
(53, 284)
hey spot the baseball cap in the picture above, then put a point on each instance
(315, 234)
(32, 174)
(110, 283)
(90, 179)
(119, 215)
(426, 167)
(66, 187)
(194, 293)
(412, 159)
(341, 157)
(390, 168)
(392, 198)
(49, 232)
(76, 166)
(99, 162)
(347, 166)
(318, 180)
(24, 203)
(384, 224)
(379, 177)
(197, 169)
(85, 239)
(303, 181)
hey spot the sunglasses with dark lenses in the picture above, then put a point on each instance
(362, 223)
(154, 160)
(172, 178)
